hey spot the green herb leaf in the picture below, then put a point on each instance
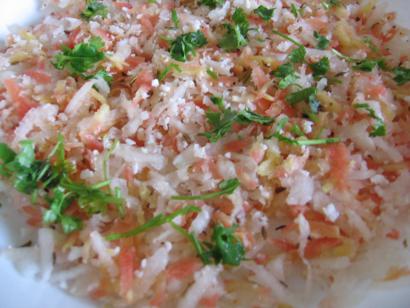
(300, 96)
(26, 156)
(6, 153)
(287, 74)
(94, 8)
(287, 37)
(167, 70)
(401, 75)
(155, 222)
(175, 18)
(185, 44)
(320, 68)
(222, 121)
(224, 247)
(247, 116)
(298, 55)
(236, 34)
(264, 13)
(366, 65)
(213, 3)
(278, 134)
(294, 10)
(103, 74)
(226, 187)
(81, 58)
(212, 74)
(218, 101)
(379, 129)
(322, 42)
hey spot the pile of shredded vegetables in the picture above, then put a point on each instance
(212, 153)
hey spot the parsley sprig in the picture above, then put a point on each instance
(155, 222)
(379, 129)
(82, 58)
(213, 3)
(224, 246)
(263, 12)
(223, 120)
(322, 41)
(186, 44)
(47, 181)
(236, 35)
(226, 187)
(278, 134)
(94, 8)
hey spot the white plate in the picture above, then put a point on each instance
(19, 292)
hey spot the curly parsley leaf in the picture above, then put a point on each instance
(401, 75)
(225, 187)
(322, 41)
(321, 67)
(378, 130)
(222, 121)
(213, 3)
(300, 96)
(175, 18)
(264, 13)
(171, 67)
(155, 222)
(94, 8)
(51, 182)
(186, 44)
(278, 134)
(81, 58)
(236, 33)
(224, 247)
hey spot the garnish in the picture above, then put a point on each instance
(218, 101)
(185, 44)
(155, 222)
(167, 70)
(366, 65)
(51, 183)
(224, 247)
(94, 8)
(322, 41)
(264, 13)
(278, 134)
(226, 187)
(401, 75)
(213, 3)
(81, 58)
(211, 73)
(223, 120)
(377, 130)
(287, 75)
(321, 67)
(300, 96)
(295, 10)
(297, 55)
(236, 33)
(328, 4)
(174, 17)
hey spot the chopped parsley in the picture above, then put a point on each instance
(213, 3)
(287, 75)
(81, 58)
(50, 184)
(401, 75)
(300, 96)
(297, 55)
(211, 73)
(226, 187)
(223, 120)
(328, 4)
(322, 41)
(278, 134)
(366, 65)
(174, 17)
(167, 70)
(295, 10)
(264, 13)
(218, 101)
(236, 35)
(379, 129)
(321, 67)
(155, 222)
(224, 247)
(94, 8)
(185, 44)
